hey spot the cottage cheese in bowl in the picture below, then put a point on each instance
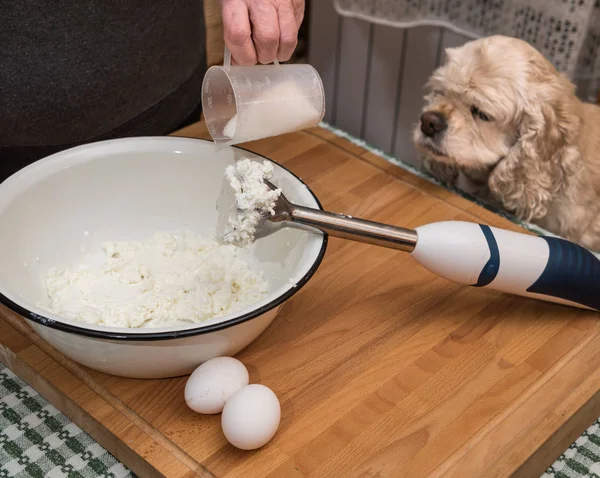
(168, 279)
(172, 279)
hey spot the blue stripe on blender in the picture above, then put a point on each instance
(490, 270)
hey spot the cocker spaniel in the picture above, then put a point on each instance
(500, 114)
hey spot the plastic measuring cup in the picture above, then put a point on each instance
(246, 103)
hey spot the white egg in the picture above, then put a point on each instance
(251, 417)
(213, 383)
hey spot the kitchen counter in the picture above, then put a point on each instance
(382, 368)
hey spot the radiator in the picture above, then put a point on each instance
(374, 75)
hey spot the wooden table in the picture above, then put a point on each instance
(382, 369)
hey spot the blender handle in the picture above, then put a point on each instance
(540, 267)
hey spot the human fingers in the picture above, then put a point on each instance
(265, 30)
(288, 31)
(238, 32)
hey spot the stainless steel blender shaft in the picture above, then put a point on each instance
(346, 227)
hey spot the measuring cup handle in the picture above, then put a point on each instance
(227, 59)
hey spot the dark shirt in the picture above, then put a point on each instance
(78, 71)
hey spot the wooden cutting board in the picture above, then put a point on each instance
(382, 368)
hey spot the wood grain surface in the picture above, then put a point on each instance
(215, 44)
(382, 369)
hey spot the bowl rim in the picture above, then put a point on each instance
(176, 334)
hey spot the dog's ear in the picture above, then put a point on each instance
(545, 152)
(450, 54)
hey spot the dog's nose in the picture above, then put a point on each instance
(433, 123)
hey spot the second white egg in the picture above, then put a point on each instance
(213, 383)
(251, 417)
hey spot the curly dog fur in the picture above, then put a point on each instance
(500, 113)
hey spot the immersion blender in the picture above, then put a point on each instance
(545, 268)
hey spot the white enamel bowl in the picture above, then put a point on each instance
(128, 189)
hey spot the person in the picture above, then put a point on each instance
(77, 72)
(260, 31)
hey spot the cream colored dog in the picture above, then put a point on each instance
(501, 114)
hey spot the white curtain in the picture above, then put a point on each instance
(567, 32)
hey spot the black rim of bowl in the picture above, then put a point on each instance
(153, 336)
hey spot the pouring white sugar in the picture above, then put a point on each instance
(265, 116)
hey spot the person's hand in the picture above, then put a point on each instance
(261, 30)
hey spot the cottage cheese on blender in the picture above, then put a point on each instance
(167, 280)
(253, 200)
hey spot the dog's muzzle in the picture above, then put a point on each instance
(433, 124)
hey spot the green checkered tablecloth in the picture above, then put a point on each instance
(582, 459)
(36, 440)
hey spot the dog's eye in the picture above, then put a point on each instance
(477, 113)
